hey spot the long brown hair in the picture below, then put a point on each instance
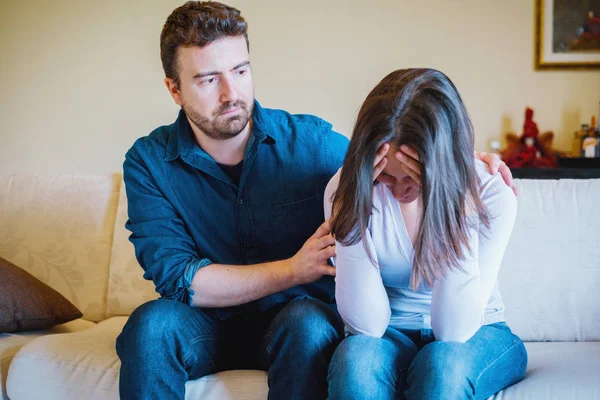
(423, 109)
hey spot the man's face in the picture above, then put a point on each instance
(403, 187)
(215, 90)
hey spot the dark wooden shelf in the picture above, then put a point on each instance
(556, 173)
(569, 168)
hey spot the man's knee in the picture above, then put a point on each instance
(152, 324)
(308, 324)
(311, 319)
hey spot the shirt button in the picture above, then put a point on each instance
(241, 202)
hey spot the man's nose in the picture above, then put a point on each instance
(228, 91)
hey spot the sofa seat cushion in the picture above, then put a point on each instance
(10, 343)
(85, 365)
(229, 385)
(558, 371)
(79, 365)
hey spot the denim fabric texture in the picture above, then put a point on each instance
(411, 364)
(166, 343)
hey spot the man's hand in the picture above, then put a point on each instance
(310, 263)
(495, 165)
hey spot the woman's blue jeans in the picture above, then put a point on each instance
(410, 364)
(165, 343)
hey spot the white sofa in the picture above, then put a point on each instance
(69, 232)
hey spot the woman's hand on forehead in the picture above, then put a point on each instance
(380, 160)
(409, 159)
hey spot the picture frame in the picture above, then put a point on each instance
(567, 34)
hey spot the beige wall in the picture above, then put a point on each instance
(81, 80)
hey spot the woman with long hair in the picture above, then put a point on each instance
(417, 263)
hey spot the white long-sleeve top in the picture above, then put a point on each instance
(374, 295)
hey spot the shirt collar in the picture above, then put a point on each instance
(182, 142)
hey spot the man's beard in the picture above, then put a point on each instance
(222, 127)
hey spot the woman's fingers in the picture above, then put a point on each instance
(380, 160)
(410, 162)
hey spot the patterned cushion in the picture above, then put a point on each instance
(126, 289)
(60, 229)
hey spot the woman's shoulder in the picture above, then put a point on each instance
(488, 181)
(333, 184)
(493, 189)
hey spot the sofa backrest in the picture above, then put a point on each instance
(550, 274)
(69, 231)
(549, 279)
(60, 230)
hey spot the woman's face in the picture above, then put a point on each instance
(403, 187)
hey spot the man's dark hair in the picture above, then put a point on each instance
(197, 23)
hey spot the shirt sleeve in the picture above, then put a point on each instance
(162, 244)
(336, 146)
(359, 292)
(459, 299)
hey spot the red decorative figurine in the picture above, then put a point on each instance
(530, 150)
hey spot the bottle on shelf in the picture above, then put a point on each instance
(590, 146)
(593, 126)
(577, 142)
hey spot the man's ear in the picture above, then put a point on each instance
(173, 89)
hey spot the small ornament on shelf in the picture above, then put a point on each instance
(530, 149)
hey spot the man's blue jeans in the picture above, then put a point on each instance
(165, 343)
(412, 365)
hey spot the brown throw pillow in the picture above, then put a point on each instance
(26, 304)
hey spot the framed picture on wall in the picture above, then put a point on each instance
(567, 34)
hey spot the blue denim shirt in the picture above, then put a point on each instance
(185, 212)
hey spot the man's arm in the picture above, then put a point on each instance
(168, 255)
(219, 285)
